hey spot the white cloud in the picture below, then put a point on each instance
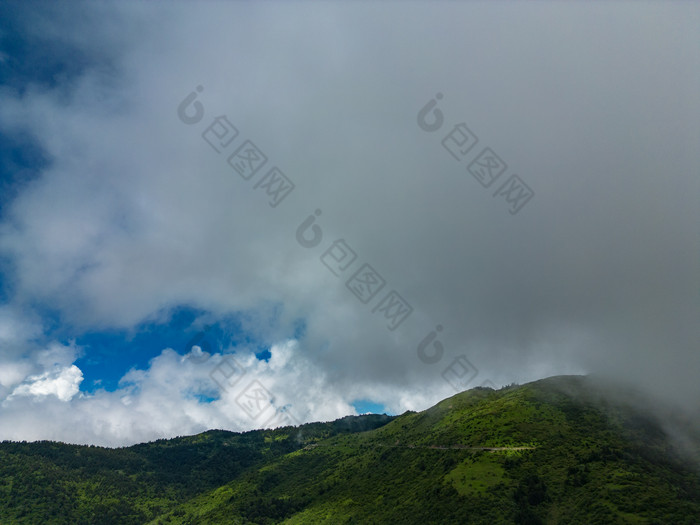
(63, 383)
(163, 400)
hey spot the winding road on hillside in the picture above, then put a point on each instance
(436, 447)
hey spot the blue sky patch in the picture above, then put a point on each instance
(108, 355)
(364, 406)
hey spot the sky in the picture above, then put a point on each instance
(244, 215)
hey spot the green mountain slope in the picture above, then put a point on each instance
(48, 482)
(552, 451)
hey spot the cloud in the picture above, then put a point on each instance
(174, 395)
(62, 383)
(59, 377)
(135, 213)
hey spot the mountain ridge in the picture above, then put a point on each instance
(557, 450)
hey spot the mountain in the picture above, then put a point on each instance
(559, 450)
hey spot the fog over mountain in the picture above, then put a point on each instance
(123, 200)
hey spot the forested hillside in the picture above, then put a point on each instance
(552, 451)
